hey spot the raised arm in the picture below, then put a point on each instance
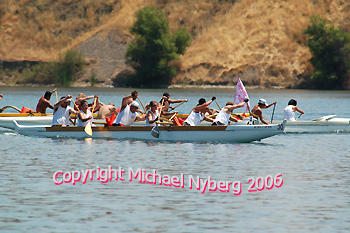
(203, 107)
(177, 101)
(58, 104)
(271, 104)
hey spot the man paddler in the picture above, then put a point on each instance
(44, 102)
(197, 114)
(62, 111)
(165, 101)
(256, 112)
(224, 115)
(128, 111)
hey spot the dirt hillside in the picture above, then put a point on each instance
(260, 41)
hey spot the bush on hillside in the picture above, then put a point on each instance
(60, 73)
(154, 48)
(330, 48)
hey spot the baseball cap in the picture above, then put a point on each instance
(135, 104)
(262, 101)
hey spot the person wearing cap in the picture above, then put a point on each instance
(62, 111)
(257, 110)
(197, 114)
(44, 102)
(165, 101)
(289, 111)
(128, 114)
(224, 115)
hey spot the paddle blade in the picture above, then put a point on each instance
(155, 131)
(88, 129)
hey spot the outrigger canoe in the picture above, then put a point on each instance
(326, 124)
(227, 134)
(6, 119)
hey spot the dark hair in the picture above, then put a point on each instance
(134, 93)
(47, 95)
(83, 102)
(62, 97)
(292, 102)
(153, 103)
(166, 94)
(201, 101)
(229, 103)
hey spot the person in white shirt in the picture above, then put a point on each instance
(128, 114)
(62, 111)
(152, 115)
(197, 114)
(225, 114)
(289, 111)
(85, 115)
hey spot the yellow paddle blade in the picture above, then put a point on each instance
(88, 129)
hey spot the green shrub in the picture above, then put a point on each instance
(330, 48)
(60, 73)
(153, 49)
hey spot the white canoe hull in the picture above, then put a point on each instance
(230, 134)
(7, 122)
(333, 125)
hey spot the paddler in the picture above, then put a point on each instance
(289, 111)
(62, 111)
(128, 111)
(257, 110)
(225, 114)
(85, 115)
(165, 101)
(197, 114)
(44, 102)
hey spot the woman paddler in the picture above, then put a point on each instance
(197, 114)
(85, 115)
(152, 115)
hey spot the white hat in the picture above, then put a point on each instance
(262, 101)
(135, 104)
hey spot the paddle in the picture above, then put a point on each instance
(299, 116)
(141, 104)
(178, 105)
(56, 95)
(217, 104)
(155, 129)
(88, 128)
(273, 112)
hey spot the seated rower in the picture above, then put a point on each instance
(289, 111)
(128, 114)
(257, 110)
(106, 111)
(62, 111)
(225, 114)
(152, 114)
(166, 101)
(85, 115)
(197, 114)
(44, 102)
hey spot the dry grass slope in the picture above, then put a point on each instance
(260, 41)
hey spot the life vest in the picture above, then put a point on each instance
(26, 110)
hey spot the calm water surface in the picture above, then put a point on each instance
(314, 197)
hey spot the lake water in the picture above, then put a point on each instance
(315, 168)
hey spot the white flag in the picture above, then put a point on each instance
(241, 94)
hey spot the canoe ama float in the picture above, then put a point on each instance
(227, 134)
